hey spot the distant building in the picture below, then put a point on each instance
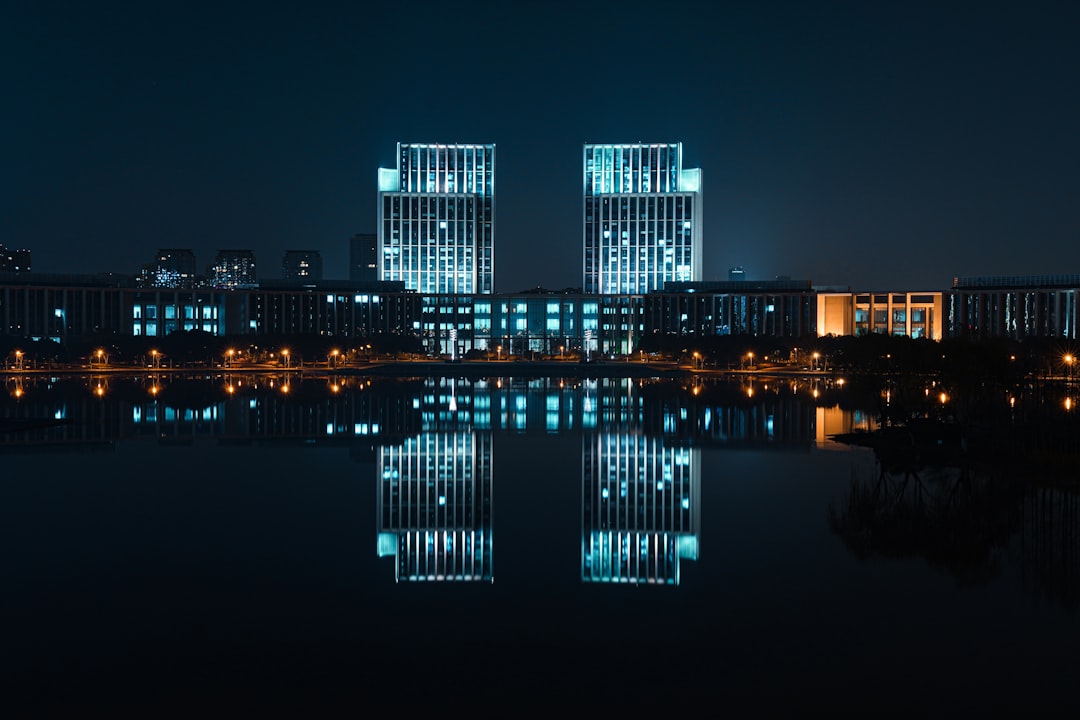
(14, 261)
(171, 268)
(642, 225)
(736, 273)
(363, 257)
(1015, 307)
(233, 269)
(302, 265)
(436, 223)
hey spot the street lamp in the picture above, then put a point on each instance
(750, 359)
(697, 360)
(498, 351)
(815, 356)
(334, 356)
(229, 355)
(285, 354)
(18, 359)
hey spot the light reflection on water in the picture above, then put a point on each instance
(596, 519)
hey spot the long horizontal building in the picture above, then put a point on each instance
(69, 307)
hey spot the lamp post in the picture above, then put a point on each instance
(229, 357)
(285, 354)
(18, 359)
(1069, 359)
(814, 365)
(498, 351)
(334, 356)
(750, 360)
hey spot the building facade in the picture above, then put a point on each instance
(436, 218)
(1015, 307)
(642, 222)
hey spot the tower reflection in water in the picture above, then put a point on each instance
(640, 507)
(435, 506)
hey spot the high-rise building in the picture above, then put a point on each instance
(363, 257)
(436, 218)
(301, 265)
(16, 261)
(233, 270)
(642, 222)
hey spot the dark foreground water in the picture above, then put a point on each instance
(503, 544)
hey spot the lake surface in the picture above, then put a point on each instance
(349, 543)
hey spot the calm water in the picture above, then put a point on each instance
(475, 543)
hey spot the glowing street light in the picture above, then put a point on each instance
(334, 356)
(498, 351)
(19, 359)
(285, 354)
(815, 356)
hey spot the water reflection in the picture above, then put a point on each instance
(640, 509)
(433, 442)
(968, 521)
(435, 494)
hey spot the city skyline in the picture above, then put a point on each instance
(893, 146)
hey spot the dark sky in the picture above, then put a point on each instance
(877, 145)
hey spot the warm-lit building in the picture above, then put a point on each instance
(910, 314)
(436, 218)
(640, 508)
(642, 224)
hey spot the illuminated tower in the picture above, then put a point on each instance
(642, 224)
(436, 222)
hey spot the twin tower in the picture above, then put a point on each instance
(641, 221)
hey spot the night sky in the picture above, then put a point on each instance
(876, 145)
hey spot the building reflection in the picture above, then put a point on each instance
(640, 506)
(435, 506)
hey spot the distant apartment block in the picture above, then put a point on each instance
(643, 218)
(363, 257)
(14, 261)
(910, 314)
(233, 269)
(302, 265)
(436, 218)
(435, 506)
(171, 268)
